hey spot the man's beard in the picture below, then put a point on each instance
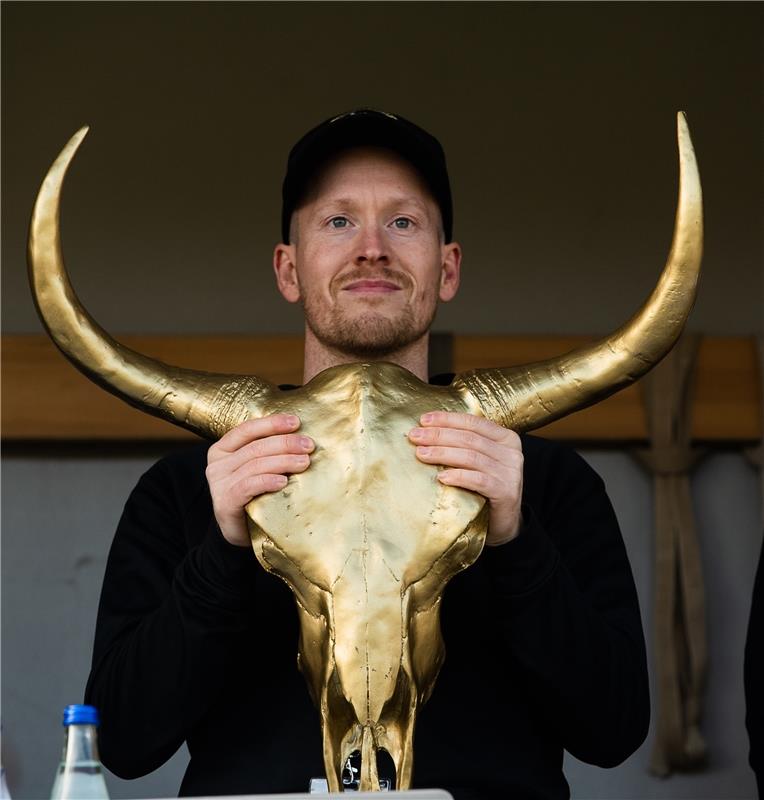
(368, 336)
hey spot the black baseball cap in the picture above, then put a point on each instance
(359, 128)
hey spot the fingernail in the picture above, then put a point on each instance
(306, 442)
(423, 451)
(281, 480)
(292, 420)
(425, 418)
(416, 433)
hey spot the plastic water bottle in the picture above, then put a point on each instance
(4, 793)
(80, 776)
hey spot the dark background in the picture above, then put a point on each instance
(558, 121)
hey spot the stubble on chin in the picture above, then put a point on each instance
(368, 336)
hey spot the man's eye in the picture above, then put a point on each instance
(339, 222)
(402, 223)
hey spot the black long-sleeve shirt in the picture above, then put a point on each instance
(544, 648)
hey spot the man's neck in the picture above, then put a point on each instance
(319, 357)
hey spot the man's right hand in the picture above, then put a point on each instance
(251, 459)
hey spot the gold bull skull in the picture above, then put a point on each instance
(366, 538)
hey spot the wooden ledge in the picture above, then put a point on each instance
(45, 399)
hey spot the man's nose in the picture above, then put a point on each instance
(372, 247)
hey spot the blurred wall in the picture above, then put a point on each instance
(558, 122)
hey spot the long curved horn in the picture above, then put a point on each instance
(206, 403)
(532, 395)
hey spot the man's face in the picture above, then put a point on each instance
(367, 258)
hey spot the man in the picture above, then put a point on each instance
(196, 642)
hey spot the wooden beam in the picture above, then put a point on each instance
(45, 399)
(727, 408)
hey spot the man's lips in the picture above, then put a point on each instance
(370, 286)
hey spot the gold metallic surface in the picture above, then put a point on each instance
(203, 402)
(528, 396)
(367, 538)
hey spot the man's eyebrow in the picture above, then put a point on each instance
(334, 202)
(409, 200)
(348, 203)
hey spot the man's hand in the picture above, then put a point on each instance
(479, 455)
(251, 459)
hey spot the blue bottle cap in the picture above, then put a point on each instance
(81, 715)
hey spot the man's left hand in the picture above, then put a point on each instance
(479, 455)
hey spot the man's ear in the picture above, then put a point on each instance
(284, 257)
(450, 271)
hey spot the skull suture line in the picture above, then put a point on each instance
(367, 538)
